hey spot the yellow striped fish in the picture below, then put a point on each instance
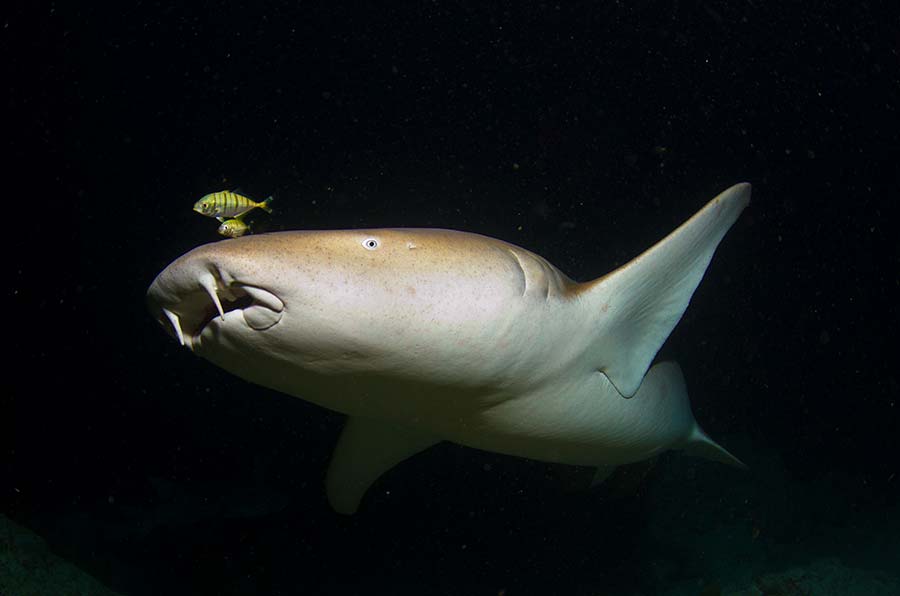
(228, 203)
(233, 228)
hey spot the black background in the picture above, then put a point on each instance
(582, 132)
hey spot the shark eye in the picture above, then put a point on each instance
(370, 243)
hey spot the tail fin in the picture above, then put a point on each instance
(699, 444)
(266, 205)
(666, 382)
(636, 306)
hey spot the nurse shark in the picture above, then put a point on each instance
(428, 335)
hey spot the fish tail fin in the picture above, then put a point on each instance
(266, 205)
(699, 444)
(665, 384)
(635, 307)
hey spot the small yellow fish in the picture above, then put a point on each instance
(233, 228)
(228, 203)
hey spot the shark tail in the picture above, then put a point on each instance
(668, 409)
(664, 421)
(665, 382)
(699, 444)
(635, 307)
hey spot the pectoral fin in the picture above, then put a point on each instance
(366, 450)
(638, 304)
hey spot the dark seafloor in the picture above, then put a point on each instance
(583, 131)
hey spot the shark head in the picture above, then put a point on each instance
(423, 335)
(297, 311)
(222, 295)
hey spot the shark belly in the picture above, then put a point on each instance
(585, 421)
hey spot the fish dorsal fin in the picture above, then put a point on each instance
(366, 450)
(634, 308)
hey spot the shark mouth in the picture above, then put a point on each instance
(214, 303)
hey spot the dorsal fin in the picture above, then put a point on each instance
(635, 307)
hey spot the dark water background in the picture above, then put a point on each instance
(584, 132)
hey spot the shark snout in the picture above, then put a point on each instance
(191, 296)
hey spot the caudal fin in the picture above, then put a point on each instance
(267, 204)
(699, 444)
(635, 307)
(666, 383)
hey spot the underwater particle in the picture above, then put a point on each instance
(631, 159)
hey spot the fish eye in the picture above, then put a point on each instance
(370, 243)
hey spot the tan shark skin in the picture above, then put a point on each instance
(423, 335)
